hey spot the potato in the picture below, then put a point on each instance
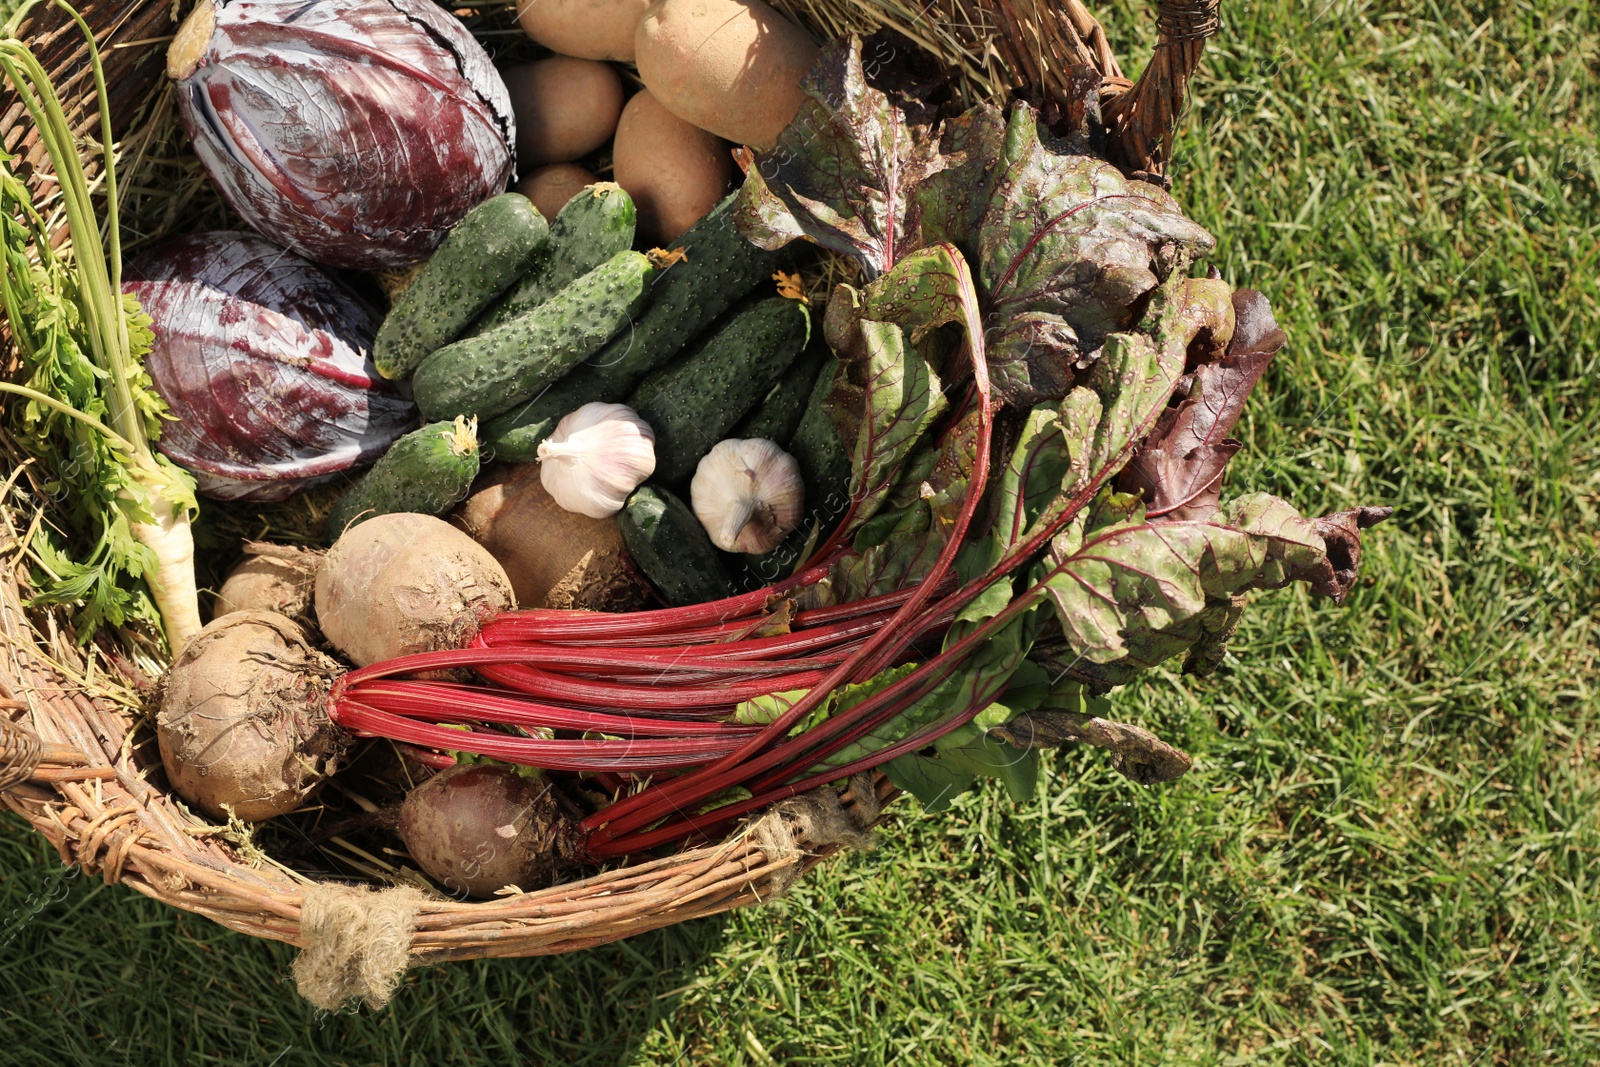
(588, 29)
(675, 171)
(565, 108)
(554, 558)
(551, 187)
(732, 67)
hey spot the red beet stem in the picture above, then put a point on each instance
(601, 848)
(638, 756)
(446, 702)
(542, 624)
(660, 694)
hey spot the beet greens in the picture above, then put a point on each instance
(1037, 397)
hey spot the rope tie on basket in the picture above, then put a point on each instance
(814, 821)
(20, 754)
(1189, 20)
(355, 942)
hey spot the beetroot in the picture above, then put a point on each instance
(263, 359)
(400, 584)
(476, 828)
(356, 132)
(243, 724)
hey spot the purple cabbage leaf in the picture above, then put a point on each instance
(263, 360)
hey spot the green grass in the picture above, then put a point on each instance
(1387, 852)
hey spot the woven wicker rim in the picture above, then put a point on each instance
(68, 759)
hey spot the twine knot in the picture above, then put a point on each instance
(355, 942)
(821, 819)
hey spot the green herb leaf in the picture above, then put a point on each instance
(89, 411)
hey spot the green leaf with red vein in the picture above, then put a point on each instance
(1136, 593)
(843, 172)
(1179, 466)
(922, 527)
(1065, 248)
(896, 393)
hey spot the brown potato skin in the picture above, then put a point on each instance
(553, 557)
(565, 108)
(588, 29)
(732, 67)
(399, 584)
(551, 187)
(675, 171)
(243, 720)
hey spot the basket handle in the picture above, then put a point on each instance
(1141, 121)
(1048, 45)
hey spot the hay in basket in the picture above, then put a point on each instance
(77, 753)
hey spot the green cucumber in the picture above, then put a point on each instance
(758, 570)
(671, 548)
(496, 371)
(483, 256)
(593, 226)
(515, 436)
(718, 268)
(427, 471)
(692, 402)
(823, 456)
(779, 413)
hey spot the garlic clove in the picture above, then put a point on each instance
(596, 456)
(748, 494)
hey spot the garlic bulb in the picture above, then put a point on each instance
(748, 494)
(595, 457)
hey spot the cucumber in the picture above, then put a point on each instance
(592, 227)
(694, 401)
(778, 414)
(823, 456)
(515, 436)
(498, 370)
(718, 269)
(668, 544)
(487, 251)
(427, 471)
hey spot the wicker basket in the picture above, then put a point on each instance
(77, 760)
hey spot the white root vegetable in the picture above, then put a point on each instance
(172, 586)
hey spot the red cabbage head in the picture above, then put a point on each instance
(355, 132)
(263, 358)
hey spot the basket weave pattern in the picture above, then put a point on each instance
(75, 762)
